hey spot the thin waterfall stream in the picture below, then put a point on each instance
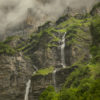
(27, 89)
(54, 78)
(28, 85)
(62, 61)
(54, 72)
(63, 51)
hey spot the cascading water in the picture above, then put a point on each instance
(27, 89)
(62, 60)
(62, 51)
(36, 69)
(28, 85)
(54, 78)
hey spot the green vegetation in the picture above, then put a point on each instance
(10, 38)
(49, 94)
(6, 49)
(75, 22)
(95, 31)
(5, 46)
(84, 82)
(45, 39)
(45, 71)
(75, 29)
(75, 78)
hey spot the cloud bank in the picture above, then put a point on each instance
(13, 12)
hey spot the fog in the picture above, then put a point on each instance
(13, 12)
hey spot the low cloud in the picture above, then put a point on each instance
(13, 12)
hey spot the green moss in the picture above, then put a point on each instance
(52, 45)
(9, 39)
(78, 86)
(62, 30)
(71, 21)
(75, 77)
(49, 94)
(95, 31)
(45, 71)
(6, 49)
(27, 57)
(83, 83)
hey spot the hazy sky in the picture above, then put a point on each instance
(13, 12)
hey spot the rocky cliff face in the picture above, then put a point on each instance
(77, 39)
(43, 50)
(40, 82)
(14, 73)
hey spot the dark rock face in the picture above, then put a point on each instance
(62, 75)
(44, 59)
(40, 83)
(96, 10)
(62, 19)
(14, 73)
(78, 50)
(42, 54)
(46, 25)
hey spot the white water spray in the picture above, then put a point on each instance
(54, 78)
(62, 60)
(62, 51)
(27, 89)
(28, 85)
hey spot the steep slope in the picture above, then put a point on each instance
(82, 83)
(15, 70)
(64, 54)
(77, 42)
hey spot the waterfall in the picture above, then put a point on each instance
(54, 78)
(62, 60)
(36, 69)
(62, 51)
(27, 89)
(28, 85)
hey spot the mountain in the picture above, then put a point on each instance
(59, 60)
(25, 16)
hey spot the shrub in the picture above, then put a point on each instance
(95, 31)
(49, 94)
(45, 71)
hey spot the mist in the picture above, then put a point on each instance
(14, 12)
